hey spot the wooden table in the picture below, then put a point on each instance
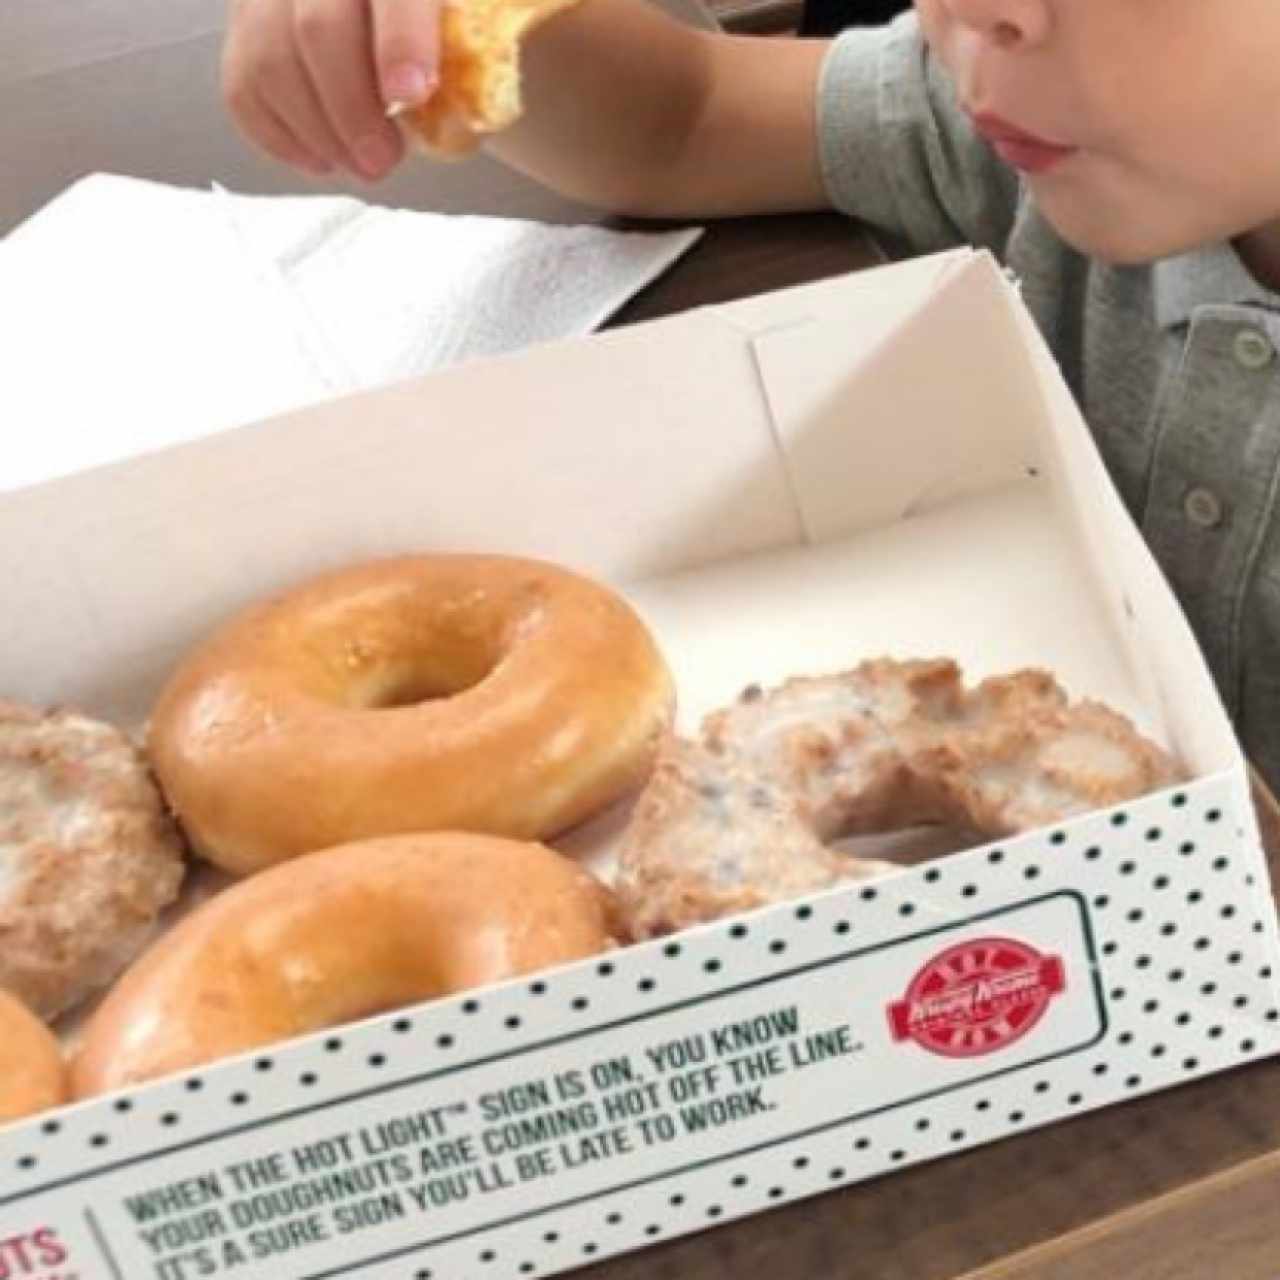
(1180, 1185)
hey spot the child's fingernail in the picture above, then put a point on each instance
(374, 155)
(407, 83)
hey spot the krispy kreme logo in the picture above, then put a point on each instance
(977, 997)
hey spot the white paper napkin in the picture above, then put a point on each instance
(135, 315)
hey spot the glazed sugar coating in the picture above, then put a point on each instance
(88, 855)
(744, 815)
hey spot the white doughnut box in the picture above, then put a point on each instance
(884, 463)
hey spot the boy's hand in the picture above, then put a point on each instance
(310, 81)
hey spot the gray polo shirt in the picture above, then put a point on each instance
(1174, 364)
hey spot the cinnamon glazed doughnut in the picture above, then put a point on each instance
(32, 1075)
(335, 936)
(744, 814)
(88, 855)
(425, 693)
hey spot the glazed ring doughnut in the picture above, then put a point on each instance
(88, 856)
(448, 692)
(32, 1075)
(745, 814)
(335, 936)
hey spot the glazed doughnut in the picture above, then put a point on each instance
(335, 936)
(745, 814)
(32, 1075)
(88, 855)
(448, 692)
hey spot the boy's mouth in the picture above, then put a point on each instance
(1017, 147)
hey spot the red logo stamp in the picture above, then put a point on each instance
(977, 997)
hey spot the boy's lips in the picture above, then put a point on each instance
(1016, 146)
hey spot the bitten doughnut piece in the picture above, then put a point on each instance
(746, 814)
(88, 855)
(422, 693)
(33, 1077)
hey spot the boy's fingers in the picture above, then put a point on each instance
(406, 49)
(334, 39)
(275, 137)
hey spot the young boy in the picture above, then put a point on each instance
(1121, 156)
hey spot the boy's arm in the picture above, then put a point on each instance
(630, 110)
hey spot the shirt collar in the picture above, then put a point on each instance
(1212, 275)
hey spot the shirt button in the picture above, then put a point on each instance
(1253, 349)
(1203, 508)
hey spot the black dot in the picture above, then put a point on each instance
(1154, 833)
(1125, 1037)
(589, 1248)
(957, 1135)
(1182, 1019)
(1142, 962)
(995, 857)
(579, 1002)
(739, 1180)
(1074, 1099)
(1227, 912)
(1157, 1051)
(613, 1219)
(444, 1042)
(99, 1140)
(263, 1064)
(970, 890)
(512, 1022)
(982, 1105)
(1273, 1015)
(1220, 864)
(1234, 957)
(671, 950)
(1160, 882)
(123, 1104)
(377, 1060)
(50, 1127)
(26, 1162)
(194, 1085)
(1100, 1069)
(1101, 901)
(1118, 993)
(677, 1200)
(712, 966)
(652, 1229)
(1058, 837)
(605, 970)
(1119, 819)
(1208, 988)
(738, 931)
(1190, 1064)
(1265, 971)
(1031, 873)
(777, 946)
(836, 1174)
(862, 1144)
(868, 894)
(1203, 944)
(714, 1211)
(1133, 1082)
(1214, 1033)
(906, 909)
(1128, 868)
(1178, 800)
(1213, 815)
(169, 1118)
(841, 927)
(1093, 853)
(897, 1155)
(800, 1162)
(422, 1274)
(526, 1268)
(537, 989)
(1109, 948)
(1176, 975)
(307, 1078)
(932, 876)
(1135, 915)
(239, 1099)
(471, 1006)
(1194, 896)
(1015, 1117)
(1168, 930)
(1187, 847)
(1240, 1001)
(1246, 1046)
(922, 1125)
(333, 1044)
(551, 1237)
(488, 1255)
(804, 912)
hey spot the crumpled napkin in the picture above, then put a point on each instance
(135, 315)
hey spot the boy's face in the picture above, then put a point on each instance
(1164, 114)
